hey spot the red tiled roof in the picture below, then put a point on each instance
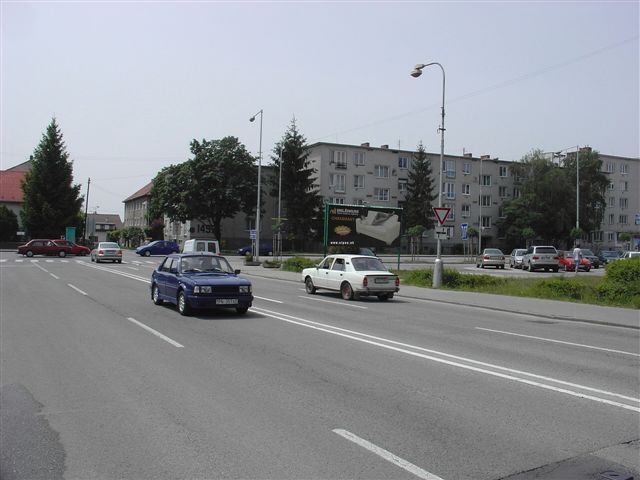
(143, 192)
(10, 190)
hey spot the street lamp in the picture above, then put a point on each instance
(437, 269)
(279, 242)
(257, 252)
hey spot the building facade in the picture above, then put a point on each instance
(136, 207)
(100, 224)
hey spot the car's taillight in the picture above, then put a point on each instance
(535, 257)
(100, 252)
(397, 281)
(487, 257)
(365, 281)
(556, 258)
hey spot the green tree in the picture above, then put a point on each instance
(420, 192)
(301, 200)
(51, 201)
(8, 224)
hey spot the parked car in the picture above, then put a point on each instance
(159, 247)
(589, 255)
(515, 259)
(39, 246)
(198, 281)
(607, 256)
(353, 276)
(541, 257)
(265, 249)
(491, 257)
(567, 262)
(630, 255)
(76, 249)
(107, 251)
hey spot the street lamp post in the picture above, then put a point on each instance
(437, 269)
(279, 244)
(256, 257)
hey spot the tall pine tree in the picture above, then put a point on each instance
(301, 201)
(51, 201)
(420, 192)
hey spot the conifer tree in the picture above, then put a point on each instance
(51, 201)
(420, 192)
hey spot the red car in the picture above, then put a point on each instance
(568, 263)
(75, 248)
(43, 247)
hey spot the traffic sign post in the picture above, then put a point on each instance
(463, 228)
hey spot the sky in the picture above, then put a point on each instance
(131, 84)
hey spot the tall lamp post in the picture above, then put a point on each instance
(257, 252)
(279, 242)
(437, 269)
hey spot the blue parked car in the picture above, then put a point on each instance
(159, 247)
(265, 249)
(198, 281)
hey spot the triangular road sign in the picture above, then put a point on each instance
(441, 213)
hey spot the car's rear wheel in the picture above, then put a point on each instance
(346, 291)
(242, 310)
(155, 295)
(62, 254)
(29, 253)
(183, 305)
(309, 286)
(147, 253)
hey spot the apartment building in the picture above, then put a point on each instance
(474, 188)
(136, 207)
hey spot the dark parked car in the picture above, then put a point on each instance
(75, 248)
(589, 255)
(607, 256)
(43, 247)
(265, 249)
(159, 247)
(198, 281)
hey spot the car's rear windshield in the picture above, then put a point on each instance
(521, 252)
(492, 251)
(545, 250)
(364, 264)
(109, 245)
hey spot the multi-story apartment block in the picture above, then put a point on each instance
(136, 207)
(474, 188)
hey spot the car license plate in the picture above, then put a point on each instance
(381, 280)
(226, 301)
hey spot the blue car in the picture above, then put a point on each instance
(199, 281)
(159, 247)
(265, 249)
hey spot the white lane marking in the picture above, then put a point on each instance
(268, 299)
(134, 268)
(560, 341)
(385, 454)
(64, 261)
(42, 268)
(2, 260)
(344, 304)
(49, 261)
(54, 276)
(326, 328)
(118, 272)
(34, 261)
(155, 332)
(76, 289)
(19, 260)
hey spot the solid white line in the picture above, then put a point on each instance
(54, 276)
(118, 272)
(49, 261)
(306, 297)
(76, 289)
(134, 268)
(385, 454)
(42, 268)
(560, 341)
(312, 325)
(155, 332)
(268, 299)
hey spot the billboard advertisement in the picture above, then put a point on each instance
(362, 226)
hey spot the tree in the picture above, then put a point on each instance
(301, 200)
(8, 224)
(218, 182)
(51, 201)
(420, 192)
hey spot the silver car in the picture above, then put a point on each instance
(515, 260)
(491, 257)
(107, 251)
(541, 257)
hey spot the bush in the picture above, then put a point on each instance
(621, 283)
(561, 288)
(297, 264)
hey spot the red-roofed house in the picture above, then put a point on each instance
(11, 194)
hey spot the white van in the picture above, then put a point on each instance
(195, 245)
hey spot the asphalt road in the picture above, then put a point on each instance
(97, 382)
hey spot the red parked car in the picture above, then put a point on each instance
(568, 263)
(75, 248)
(43, 247)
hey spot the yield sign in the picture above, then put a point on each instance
(441, 213)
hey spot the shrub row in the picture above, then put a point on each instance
(297, 264)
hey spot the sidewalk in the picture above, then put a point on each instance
(551, 309)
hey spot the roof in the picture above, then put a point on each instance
(10, 186)
(106, 218)
(143, 192)
(23, 167)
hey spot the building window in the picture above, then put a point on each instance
(358, 181)
(624, 203)
(611, 167)
(451, 231)
(402, 185)
(485, 180)
(382, 171)
(612, 186)
(612, 219)
(466, 168)
(381, 194)
(611, 236)
(337, 200)
(449, 190)
(340, 158)
(501, 213)
(358, 201)
(452, 210)
(466, 189)
(612, 201)
(403, 163)
(338, 181)
(502, 191)
(503, 171)
(516, 192)
(450, 168)
(597, 236)
(622, 219)
(466, 210)
(485, 200)
(624, 186)
(486, 222)
(358, 158)
(624, 168)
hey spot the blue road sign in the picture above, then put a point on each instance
(463, 227)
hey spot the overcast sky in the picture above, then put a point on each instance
(132, 83)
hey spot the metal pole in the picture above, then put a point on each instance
(279, 246)
(577, 188)
(480, 205)
(257, 252)
(86, 209)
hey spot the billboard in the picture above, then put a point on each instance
(362, 226)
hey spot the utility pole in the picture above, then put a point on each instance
(86, 208)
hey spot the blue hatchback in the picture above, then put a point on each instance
(198, 281)
(159, 247)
